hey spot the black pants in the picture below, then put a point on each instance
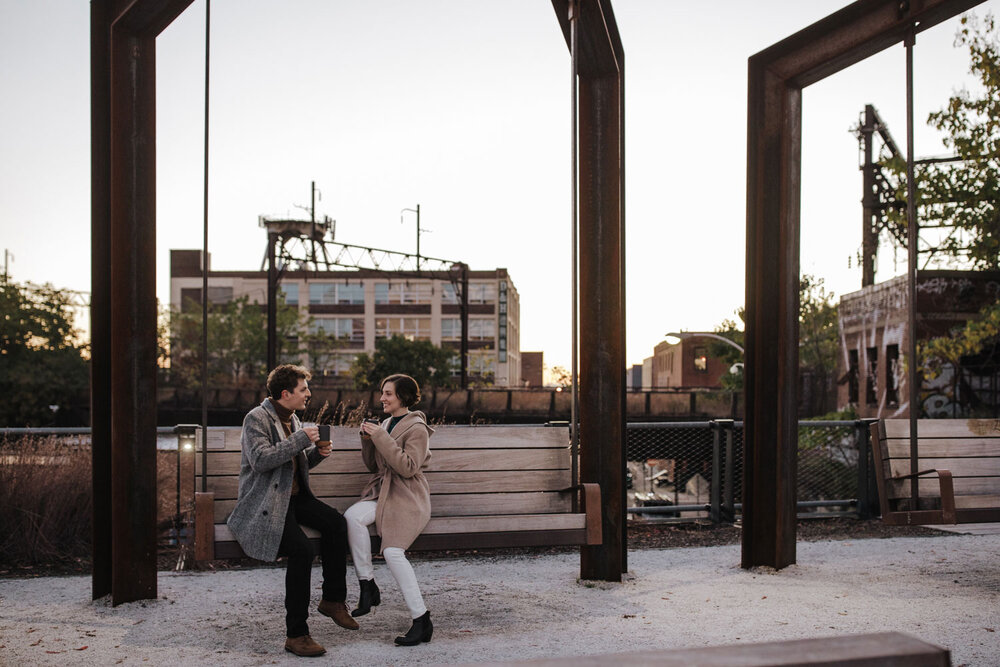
(305, 510)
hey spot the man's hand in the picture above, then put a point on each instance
(324, 448)
(312, 432)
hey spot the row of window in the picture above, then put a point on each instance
(481, 363)
(419, 328)
(326, 294)
(891, 374)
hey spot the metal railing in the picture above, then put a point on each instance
(686, 471)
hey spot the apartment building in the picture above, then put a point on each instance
(360, 307)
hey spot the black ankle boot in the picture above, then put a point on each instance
(369, 597)
(420, 631)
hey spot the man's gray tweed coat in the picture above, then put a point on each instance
(258, 519)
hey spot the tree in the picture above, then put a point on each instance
(237, 342)
(44, 368)
(818, 337)
(964, 195)
(422, 360)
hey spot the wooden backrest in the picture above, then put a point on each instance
(474, 470)
(969, 448)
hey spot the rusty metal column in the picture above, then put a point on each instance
(869, 203)
(133, 315)
(772, 308)
(602, 312)
(100, 300)
(272, 303)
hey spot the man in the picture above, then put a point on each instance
(275, 500)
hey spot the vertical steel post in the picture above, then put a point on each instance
(133, 313)
(770, 437)
(912, 239)
(204, 258)
(602, 349)
(861, 437)
(716, 490)
(100, 299)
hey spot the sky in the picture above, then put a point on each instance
(463, 108)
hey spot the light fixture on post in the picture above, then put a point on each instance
(187, 436)
(679, 336)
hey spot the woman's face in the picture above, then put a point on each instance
(390, 401)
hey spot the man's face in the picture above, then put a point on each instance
(297, 398)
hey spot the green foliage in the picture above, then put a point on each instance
(965, 341)
(237, 342)
(425, 362)
(819, 338)
(729, 355)
(42, 361)
(964, 194)
(818, 334)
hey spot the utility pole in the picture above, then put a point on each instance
(417, 211)
(7, 256)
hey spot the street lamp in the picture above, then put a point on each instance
(679, 336)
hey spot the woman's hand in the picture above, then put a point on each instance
(367, 428)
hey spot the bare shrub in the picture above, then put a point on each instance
(45, 501)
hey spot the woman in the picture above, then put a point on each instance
(396, 499)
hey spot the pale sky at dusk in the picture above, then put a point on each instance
(464, 108)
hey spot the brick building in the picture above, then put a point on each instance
(874, 336)
(362, 306)
(686, 364)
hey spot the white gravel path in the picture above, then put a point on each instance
(944, 590)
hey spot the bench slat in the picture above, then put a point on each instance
(940, 447)
(469, 524)
(944, 428)
(228, 463)
(350, 484)
(454, 505)
(929, 487)
(970, 467)
(445, 437)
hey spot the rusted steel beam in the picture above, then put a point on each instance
(771, 432)
(600, 45)
(776, 78)
(129, 347)
(100, 299)
(599, 64)
(852, 34)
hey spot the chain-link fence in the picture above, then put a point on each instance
(694, 470)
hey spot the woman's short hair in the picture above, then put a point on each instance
(406, 388)
(285, 377)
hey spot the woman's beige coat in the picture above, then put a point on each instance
(398, 461)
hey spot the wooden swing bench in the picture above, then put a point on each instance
(958, 468)
(491, 486)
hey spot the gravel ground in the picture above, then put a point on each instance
(507, 606)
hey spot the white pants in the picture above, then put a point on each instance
(359, 516)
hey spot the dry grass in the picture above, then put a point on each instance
(46, 500)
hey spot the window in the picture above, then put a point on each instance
(451, 328)
(402, 293)
(482, 329)
(345, 328)
(892, 375)
(853, 371)
(326, 294)
(448, 294)
(291, 293)
(871, 379)
(701, 359)
(482, 292)
(414, 328)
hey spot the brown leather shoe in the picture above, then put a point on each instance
(304, 646)
(338, 612)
